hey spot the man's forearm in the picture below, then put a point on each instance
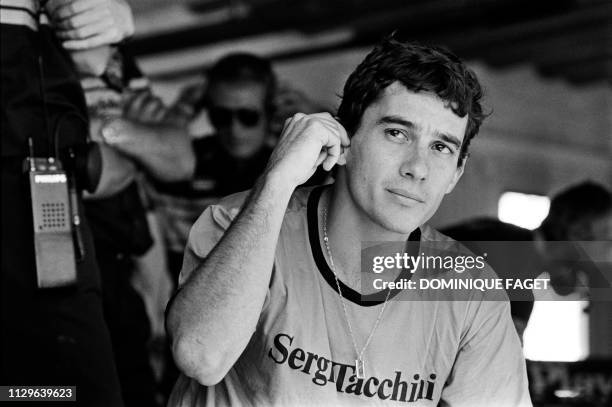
(165, 152)
(169, 158)
(213, 316)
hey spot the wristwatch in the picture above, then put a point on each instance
(111, 130)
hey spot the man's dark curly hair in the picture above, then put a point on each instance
(418, 68)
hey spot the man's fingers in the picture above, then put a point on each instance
(336, 125)
(52, 5)
(134, 103)
(62, 9)
(291, 123)
(344, 138)
(102, 27)
(331, 146)
(89, 23)
(83, 19)
(149, 104)
(145, 107)
(154, 111)
(307, 141)
(95, 41)
(285, 125)
(334, 150)
(339, 130)
(332, 134)
(329, 162)
(322, 115)
(328, 131)
(331, 159)
(321, 158)
(321, 127)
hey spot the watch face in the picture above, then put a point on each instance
(111, 131)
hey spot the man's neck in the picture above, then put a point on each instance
(349, 229)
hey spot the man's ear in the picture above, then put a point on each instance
(457, 176)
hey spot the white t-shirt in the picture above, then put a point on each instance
(458, 353)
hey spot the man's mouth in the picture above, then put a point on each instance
(406, 196)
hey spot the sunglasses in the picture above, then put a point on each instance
(223, 117)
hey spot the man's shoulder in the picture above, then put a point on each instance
(431, 234)
(232, 204)
(487, 229)
(436, 239)
(437, 242)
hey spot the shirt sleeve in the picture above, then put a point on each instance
(204, 236)
(207, 231)
(489, 369)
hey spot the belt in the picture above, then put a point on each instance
(22, 12)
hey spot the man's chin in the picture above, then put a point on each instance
(404, 219)
(401, 223)
(405, 230)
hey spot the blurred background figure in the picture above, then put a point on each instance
(239, 101)
(122, 221)
(53, 333)
(575, 242)
(242, 102)
(581, 212)
(515, 257)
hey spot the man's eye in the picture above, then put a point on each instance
(443, 148)
(397, 134)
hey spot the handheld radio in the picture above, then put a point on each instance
(52, 215)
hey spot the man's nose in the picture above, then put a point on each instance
(415, 164)
(234, 127)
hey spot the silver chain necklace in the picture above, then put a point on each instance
(359, 362)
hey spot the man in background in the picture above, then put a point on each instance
(128, 124)
(241, 99)
(581, 212)
(52, 335)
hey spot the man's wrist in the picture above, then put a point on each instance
(278, 183)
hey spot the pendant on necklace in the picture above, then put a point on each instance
(360, 369)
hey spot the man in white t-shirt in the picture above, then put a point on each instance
(271, 309)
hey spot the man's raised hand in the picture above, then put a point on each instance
(306, 142)
(83, 24)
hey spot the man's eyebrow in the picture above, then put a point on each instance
(410, 125)
(450, 139)
(396, 120)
